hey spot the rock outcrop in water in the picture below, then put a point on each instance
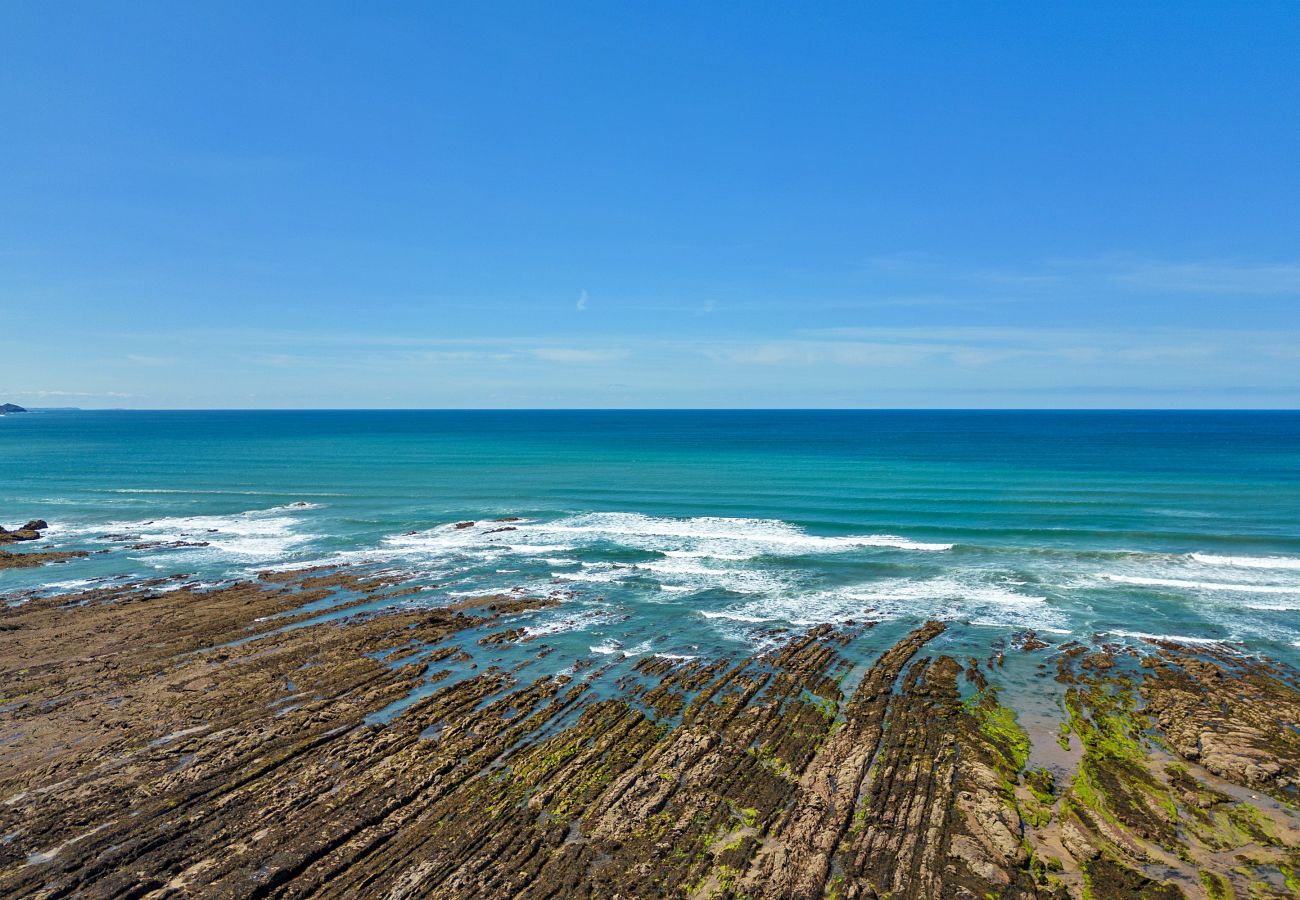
(10, 408)
(165, 742)
(30, 532)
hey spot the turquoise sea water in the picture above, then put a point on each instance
(692, 533)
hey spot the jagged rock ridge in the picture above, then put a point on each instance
(226, 743)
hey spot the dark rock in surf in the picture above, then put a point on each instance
(29, 532)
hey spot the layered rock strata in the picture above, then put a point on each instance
(329, 734)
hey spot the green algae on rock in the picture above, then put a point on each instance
(236, 742)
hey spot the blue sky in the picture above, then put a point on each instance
(637, 204)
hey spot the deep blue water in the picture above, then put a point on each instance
(693, 532)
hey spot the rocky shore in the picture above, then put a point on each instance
(324, 733)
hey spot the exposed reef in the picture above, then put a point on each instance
(31, 558)
(30, 532)
(325, 733)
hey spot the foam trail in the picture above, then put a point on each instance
(261, 534)
(1247, 562)
(1172, 638)
(579, 622)
(721, 537)
(1203, 585)
(949, 598)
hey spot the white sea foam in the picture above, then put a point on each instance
(700, 554)
(707, 537)
(1247, 562)
(692, 554)
(963, 596)
(712, 536)
(986, 623)
(265, 534)
(599, 572)
(222, 493)
(700, 575)
(602, 577)
(485, 592)
(610, 647)
(188, 585)
(579, 621)
(731, 616)
(74, 584)
(1145, 581)
(1172, 638)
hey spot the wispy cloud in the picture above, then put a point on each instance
(820, 353)
(461, 356)
(1115, 271)
(844, 366)
(977, 347)
(1216, 278)
(582, 301)
(143, 360)
(56, 394)
(576, 355)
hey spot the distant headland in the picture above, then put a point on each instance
(10, 408)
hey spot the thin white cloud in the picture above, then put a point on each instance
(46, 394)
(1115, 271)
(847, 366)
(460, 356)
(576, 355)
(821, 353)
(582, 301)
(982, 347)
(1283, 279)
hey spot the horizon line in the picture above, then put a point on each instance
(675, 409)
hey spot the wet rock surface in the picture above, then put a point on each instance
(159, 740)
(29, 558)
(29, 532)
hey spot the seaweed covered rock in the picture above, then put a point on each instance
(234, 742)
(1236, 717)
(29, 532)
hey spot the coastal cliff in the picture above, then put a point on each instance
(166, 740)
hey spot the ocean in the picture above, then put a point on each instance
(698, 533)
